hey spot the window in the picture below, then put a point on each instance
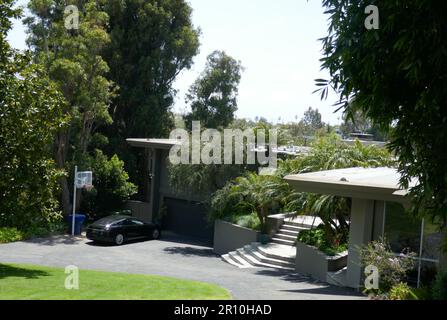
(420, 236)
(120, 223)
(401, 230)
(134, 222)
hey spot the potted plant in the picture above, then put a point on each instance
(264, 237)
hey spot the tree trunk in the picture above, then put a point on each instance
(60, 157)
(330, 234)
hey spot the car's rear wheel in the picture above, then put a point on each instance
(119, 239)
(155, 233)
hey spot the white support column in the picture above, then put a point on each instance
(360, 233)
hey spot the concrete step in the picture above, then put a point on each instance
(289, 232)
(285, 255)
(293, 228)
(243, 264)
(284, 236)
(262, 258)
(248, 258)
(227, 258)
(283, 241)
(303, 221)
(254, 261)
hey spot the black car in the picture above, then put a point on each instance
(119, 229)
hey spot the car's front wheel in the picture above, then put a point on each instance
(119, 239)
(156, 234)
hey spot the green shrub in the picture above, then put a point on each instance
(31, 113)
(45, 229)
(250, 221)
(10, 235)
(392, 269)
(200, 179)
(41, 229)
(111, 185)
(439, 289)
(261, 194)
(402, 291)
(423, 293)
(318, 238)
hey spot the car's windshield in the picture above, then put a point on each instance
(109, 220)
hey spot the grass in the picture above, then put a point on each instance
(29, 282)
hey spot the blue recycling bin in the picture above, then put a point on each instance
(79, 220)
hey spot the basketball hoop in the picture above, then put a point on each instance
(82, 180)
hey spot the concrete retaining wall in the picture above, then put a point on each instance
(274, 222)
(229, 237)
(312, 262)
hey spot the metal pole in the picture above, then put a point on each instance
(74, 203)
(421, 247)
(384, 219)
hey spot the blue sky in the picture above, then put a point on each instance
(277, 43)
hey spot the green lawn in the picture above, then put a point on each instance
(43, 283)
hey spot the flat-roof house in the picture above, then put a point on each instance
(181, 213)
(376, 211)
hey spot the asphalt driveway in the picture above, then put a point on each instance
(171, 256)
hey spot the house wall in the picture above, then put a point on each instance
(187, 218)
(140, 210)
(184, 213)
(178, 212)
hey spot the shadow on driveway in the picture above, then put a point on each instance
(57, 239)
(286, 275)
(322, 289)
(190, 251)
(328, 290)
(181, 239)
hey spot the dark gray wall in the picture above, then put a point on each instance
(187, 218)
(140, 210)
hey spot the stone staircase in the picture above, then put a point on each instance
(280, 253)
(255, 255)
(288, 232)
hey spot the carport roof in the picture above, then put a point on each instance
(153, 143)
(364, 183)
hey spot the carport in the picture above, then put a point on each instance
(155, 151)
(370, 189)
(183, 214)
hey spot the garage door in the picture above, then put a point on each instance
(187, 218)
